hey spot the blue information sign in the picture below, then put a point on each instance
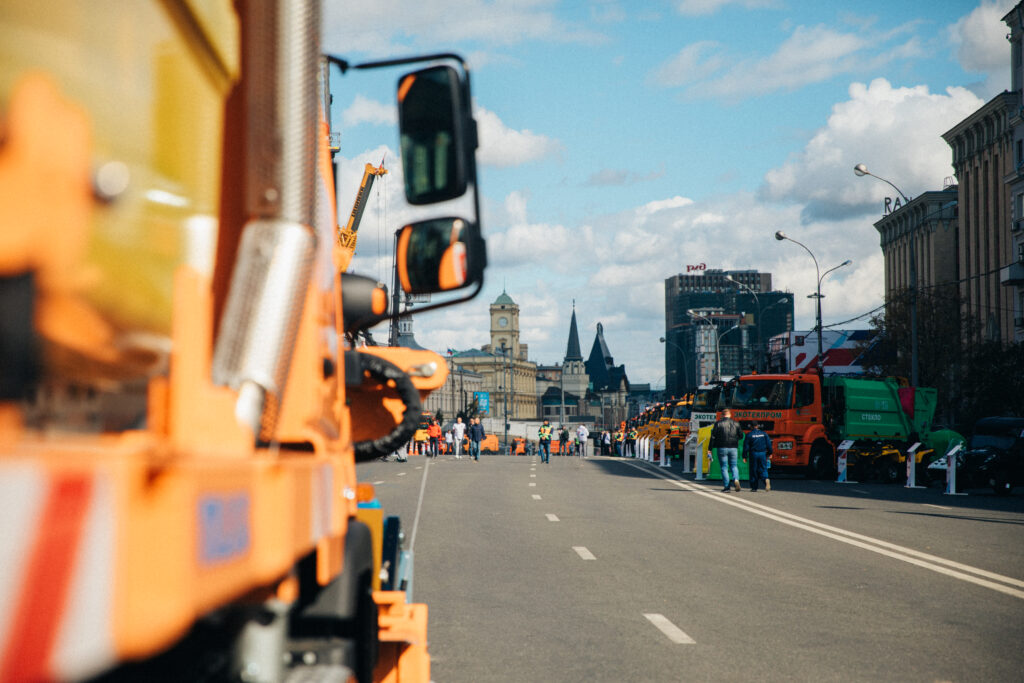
(483, 401)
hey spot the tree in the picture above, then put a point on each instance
(941, 327)
(993, 383)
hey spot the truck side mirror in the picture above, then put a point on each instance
(439, 255)
(438, 135)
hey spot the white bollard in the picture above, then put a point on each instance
(912, 467)
(951, 471)
(689, 455)
(841, 462)
(664, 462)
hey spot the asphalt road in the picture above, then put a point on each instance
(616, 570)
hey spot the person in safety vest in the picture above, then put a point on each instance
(544, 442)
(631, 442)
(620, 437)
(758, 448)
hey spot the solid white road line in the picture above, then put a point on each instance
(583, 552)
(671, 631)
(419, 507)
(378, 483)
(939, 507)
(551, 517)
(996, 582)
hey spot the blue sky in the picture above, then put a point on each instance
(621, 141)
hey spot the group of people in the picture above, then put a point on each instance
(757, 450)
(454, 439)
(579, 441)
(625, 442)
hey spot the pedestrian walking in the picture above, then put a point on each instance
(620, 441)
(458, 434)
(563, 440)
(434, 435)
(757, 450)
(448, 442)
(544, 442)
(606, 443)
(726, 436)
(476, 435)
(582, 434)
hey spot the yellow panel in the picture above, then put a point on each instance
(154, 105)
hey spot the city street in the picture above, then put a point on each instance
(617, 570)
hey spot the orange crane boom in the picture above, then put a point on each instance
(348, 235)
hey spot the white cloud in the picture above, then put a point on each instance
(365, 110)
(808, 55)
(389, 27)
(876, 126)
(504, 146)
(979, 37)
(690, 64)
(702, 7)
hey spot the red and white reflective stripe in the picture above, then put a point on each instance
(56, 591)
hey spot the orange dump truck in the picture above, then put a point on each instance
(181, 403)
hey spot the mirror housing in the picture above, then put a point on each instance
(440, 255)
(438, 135)
(364, 302)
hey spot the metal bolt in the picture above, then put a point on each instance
(110, 180)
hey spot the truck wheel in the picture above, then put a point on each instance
(821, 465)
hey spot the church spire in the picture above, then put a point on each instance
(572, 351)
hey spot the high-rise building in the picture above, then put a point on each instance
(734, 314)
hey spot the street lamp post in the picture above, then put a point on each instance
(862, 170)
(757, 302)
(504, 394)
(666, 341)
(779, 235)
(718, 338)
(696, 357)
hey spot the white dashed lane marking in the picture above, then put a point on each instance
(536, 497)
(671, 631)
(533, 483)
(583, 552)
(551, 517)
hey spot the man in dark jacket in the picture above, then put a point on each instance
(726, 436)
(476, 435)
(757, 448)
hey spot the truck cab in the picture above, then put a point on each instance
(790, 409)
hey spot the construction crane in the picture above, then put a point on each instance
(348, 235)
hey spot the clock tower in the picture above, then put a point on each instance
(505, 325)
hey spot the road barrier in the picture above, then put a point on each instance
(841, 463)
(912, 467)
(951, 460)
(664, 461)
(690, 454)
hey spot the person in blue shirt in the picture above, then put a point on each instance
(757, 449)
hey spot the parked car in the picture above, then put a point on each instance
(994, 456)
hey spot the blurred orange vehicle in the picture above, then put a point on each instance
(181, 402)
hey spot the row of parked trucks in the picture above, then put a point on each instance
(808, 417)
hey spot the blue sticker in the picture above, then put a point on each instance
(223, 527)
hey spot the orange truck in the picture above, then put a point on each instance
(182, 405)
